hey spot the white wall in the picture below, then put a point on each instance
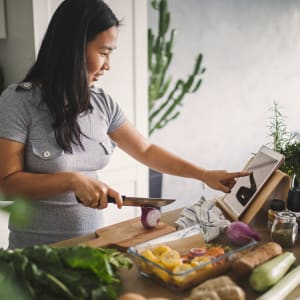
(251, 53)
(126, 82)
(17, 49)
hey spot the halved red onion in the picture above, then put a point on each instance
(150, 217)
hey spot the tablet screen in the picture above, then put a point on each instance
(265, 162)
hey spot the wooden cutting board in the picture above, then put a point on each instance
(126, 234)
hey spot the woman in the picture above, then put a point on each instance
(57, 129)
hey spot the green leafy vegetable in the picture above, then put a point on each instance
(76, 272)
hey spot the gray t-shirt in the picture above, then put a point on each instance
(24, 117)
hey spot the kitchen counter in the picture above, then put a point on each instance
(134, 282)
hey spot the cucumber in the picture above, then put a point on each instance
(283, 287)
(270, 272)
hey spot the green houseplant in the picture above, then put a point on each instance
(163, 99)
(286, 143)
(165, 96)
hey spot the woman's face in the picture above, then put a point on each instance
(98, 52)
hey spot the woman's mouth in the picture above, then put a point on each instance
(96, 76)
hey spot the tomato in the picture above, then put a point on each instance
(215, 251)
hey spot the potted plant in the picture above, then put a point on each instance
(164, 100)
(286, 143)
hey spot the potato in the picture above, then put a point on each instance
(131, 296)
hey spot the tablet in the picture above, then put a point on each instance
(262, 166)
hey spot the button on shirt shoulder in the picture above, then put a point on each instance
(27, 86)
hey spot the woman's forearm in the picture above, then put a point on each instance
(163, 161)
(153, 156)
(37, 186)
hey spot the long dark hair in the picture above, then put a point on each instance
(61, 69)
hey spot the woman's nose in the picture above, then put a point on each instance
(106, 65)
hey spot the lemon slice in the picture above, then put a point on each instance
(170, 259)
(182, 278)
(149, 255)
(163, 275)
(159, 250)
(198, 260)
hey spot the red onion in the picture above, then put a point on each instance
(150, 217)
(241, 233)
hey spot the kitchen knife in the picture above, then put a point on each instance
(138, 201)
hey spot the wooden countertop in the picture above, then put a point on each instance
(134, 282)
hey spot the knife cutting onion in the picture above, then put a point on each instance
(150, 217)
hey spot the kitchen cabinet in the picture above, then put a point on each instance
(126, 82)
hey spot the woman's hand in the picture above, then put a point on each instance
(93, 193)
(222, 180)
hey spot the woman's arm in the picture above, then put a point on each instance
(155, 157)
(14, 181)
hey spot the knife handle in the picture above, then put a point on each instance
(110, 199)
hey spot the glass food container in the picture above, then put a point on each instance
(284, 229)
(182, 259)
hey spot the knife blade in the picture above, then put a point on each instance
(140, 201)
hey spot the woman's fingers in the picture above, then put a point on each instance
(223, 180)
(118, 198)
(231, 180)
(103, 198)
(224, 188)
(238, 174)
(93, 193)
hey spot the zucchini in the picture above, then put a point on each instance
(270, 272)
(283, 287)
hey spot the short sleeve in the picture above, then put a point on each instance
(115, 115)
(14, 114)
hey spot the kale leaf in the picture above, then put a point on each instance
(76, 272)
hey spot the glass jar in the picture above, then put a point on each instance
(276, 205)
(284, 229)
(293, 204)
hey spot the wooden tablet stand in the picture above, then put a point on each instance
(276, 187)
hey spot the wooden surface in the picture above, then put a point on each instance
(122, 235)
(134, 282)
